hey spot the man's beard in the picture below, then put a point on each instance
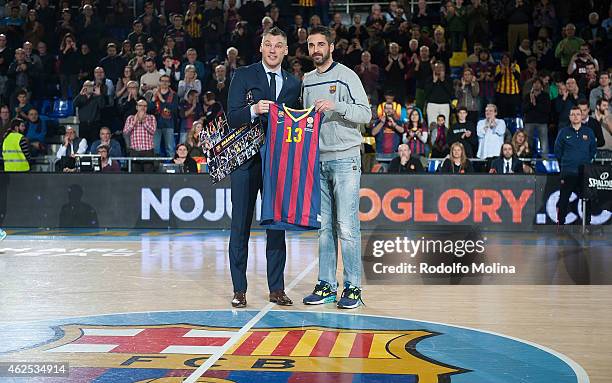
(324, 59)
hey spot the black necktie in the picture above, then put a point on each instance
(507, 167)
(272, 86)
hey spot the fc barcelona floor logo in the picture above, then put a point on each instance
(284, 347)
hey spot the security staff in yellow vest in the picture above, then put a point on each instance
(15, 148)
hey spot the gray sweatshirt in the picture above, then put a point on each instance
(339, 136)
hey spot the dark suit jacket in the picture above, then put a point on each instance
(253, 81)
(498, 165)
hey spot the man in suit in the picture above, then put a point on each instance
(252, 89)
(507, 162)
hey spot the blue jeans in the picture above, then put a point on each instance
(168, 141)
(340, 181)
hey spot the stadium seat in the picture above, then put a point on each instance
(61, 108)
(547, 167)
(432, 165)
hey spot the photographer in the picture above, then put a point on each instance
(90, 104)
(387, 131)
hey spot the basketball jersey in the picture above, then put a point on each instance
(290, 166)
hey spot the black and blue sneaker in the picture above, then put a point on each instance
(351, 297)
(322, 293)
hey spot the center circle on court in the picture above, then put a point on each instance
(283, 346)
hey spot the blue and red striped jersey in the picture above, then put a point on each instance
(290, 165)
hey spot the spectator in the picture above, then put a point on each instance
(591, 123)
(440, 50)
(518, 17)
(520, 144)
(231, 61)
(5, 60)
(137, 63)
(211, 108)
(569, 46)
(5, 121)
(113, 146)
(193, 140)
(388, 131)
(457, 162)
(149, 81)
(87, 63)
(69, 66)
(15, 148)
(589, 82)
(190, 81)
(395, 69)
(490, 131)
(507, 92)
(456, 19)
(464, 132)
(602, 91)
(404, 162)
(423, 74)
(368, 74)
(34, 30)
(606, 127)
(437, 135)
(192, 59)
(484, 71)
(36, 133)
(107, 165)
(438, 94)
(219, 85)
(127, 53)
(121, 86)
(48, 76)
(20, 72)
(575, 147)
(353, 54)
(12, 26)
(569, 94)
(190, 111)
(138, 35)
(46, 16)
(65, 25)
(232, 17)
(594, 34)
(182, 157)
(90, 103)
(507, 162)
(357, 30)
(179, 34)
(171, 68)
(416, 133)
(23, 106)
(164, 105)
(601, 114)
(530, 72)
(522, 53)
(71, 146)
(422, 17)
(127, 102)
(141, 129)
(113, 64)
(537, 109)
(107, 88)
(477, 24)
(577, 66)
(543, 50)
(544, 15)
(89, 28)
(467, 91)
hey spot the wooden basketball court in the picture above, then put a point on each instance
(51, 275)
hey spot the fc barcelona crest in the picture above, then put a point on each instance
(332, 89)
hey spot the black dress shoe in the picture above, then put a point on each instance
(239, 300)
(280, 298)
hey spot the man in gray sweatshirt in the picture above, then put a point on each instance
(336, 91)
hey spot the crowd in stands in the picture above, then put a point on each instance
(459, 79)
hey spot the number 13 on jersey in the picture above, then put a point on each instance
(290, 161)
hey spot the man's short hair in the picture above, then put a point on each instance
(441, 115)
(322, 30)
(103, 146)
(600, 100)
(164, 76)
(575, 107)
(275, 31)
(15, 122)
(583, 101)
(111, 45)
(462, 108)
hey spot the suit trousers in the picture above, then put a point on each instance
(246, 183)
